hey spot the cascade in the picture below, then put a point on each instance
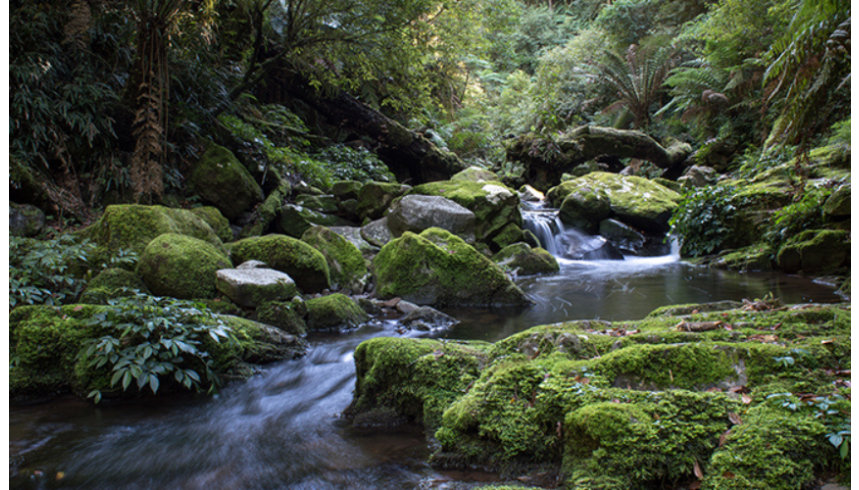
(564, 242)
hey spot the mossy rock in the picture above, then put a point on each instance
(837, 205)
(475, 174)
(256, 343)
(334, 311)
(510, 234)
(584, 208)
(181, 266)
(111, 283)
(303, 263)
(219, 224)
(752, 258)
(346, 189)
(524, 260)
(375, 197)
(294, 220)
(815, 252)
(494, 205)
(326, 203)
(439, 268)
(345, 262)
(25, 220)
(634, 200)
(413, 378)
(132, 226)
(266, 213)
(285, 315)
(221, 180)
(251, 287)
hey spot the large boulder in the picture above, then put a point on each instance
(251, 287)
(837, 205)
(303, 263)
(294, 220)
(353, 234)
(416, 213)
(439, 268)
(475, 174)
(494, 205)
(181, 266)
(217, 221)
(634, 200)
(345, 263)
(377, 232)
(221, 180)
(133, 226)
(584, 208)
(815, 252)
(524, 260)
(334, 311)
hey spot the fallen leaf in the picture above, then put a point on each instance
(739, 389)
(728, 327)
(671, 375)
(695, 485)
(696, 468)
(728, 475)
(78, 308)
(746, 399)
(724, 437)
(827, 341)
(714, 389)
(734, 418)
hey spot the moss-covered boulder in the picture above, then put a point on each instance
(294, 220)
(584, 208)
(524, 260)
(303, 263)
(815, 252)
(325, 203)
(689, 392)
(375, 197)
(219, 224)
(837, 205)
(345, 262)
(180, 266)
(475, 174)
(221, 180)
(439, 268)
(756, 257)
(494, 205)
(133, 226)
(333, 311)
(111, 283)
(25, 220)
(634, 200)
(285, 315)
(346, 189)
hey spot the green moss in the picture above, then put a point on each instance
(509, 234)
(416, 378)
(220, 179)
(285, 315)
(111, 283)
(584, 208)
(133, 226)
(437, 267)
(256, 343)
(265, 213)
(303, 263)
(475, 174)
(375, 197)
(772, 448)
(180, 266)
(633, 200)
(334, 311)
(346, 264)
(524, 260)
(216, 221)
(756, 257)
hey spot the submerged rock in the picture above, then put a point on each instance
(427, 318)
(439, 268)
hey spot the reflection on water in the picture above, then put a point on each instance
(282, 428)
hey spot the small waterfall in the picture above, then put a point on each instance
(545, 224)
(563, 242)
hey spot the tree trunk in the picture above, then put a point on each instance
(546, 159)
(411, 157)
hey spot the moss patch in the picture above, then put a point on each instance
(524, 260)
(815, 252)
(304, 264)
(220, 179)
(334, 311)
(219, 224)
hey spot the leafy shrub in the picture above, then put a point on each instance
(805, 214)
(346, 163)
(152, 338)
(54, 271)
(704, 219)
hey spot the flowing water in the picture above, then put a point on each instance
(282, 428)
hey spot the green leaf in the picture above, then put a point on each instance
(126, 380)
(153, 383)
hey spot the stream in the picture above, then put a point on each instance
(282, 428)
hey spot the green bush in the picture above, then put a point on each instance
(152, 338)
(704, 219)
(804, 214)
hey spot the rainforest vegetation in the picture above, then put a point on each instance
(158, 145)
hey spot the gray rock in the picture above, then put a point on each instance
(621, 235)
(406, 307)
(416, 213)
(698, 176)
(252, 264)
(25, 219)
(353, 234)
(294, 220)
(253, 287)
(377, 232)
(427, 318)
(530, 194)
